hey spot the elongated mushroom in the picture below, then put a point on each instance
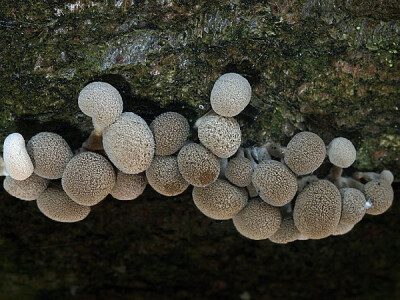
(28, 189)
(17, 162)
(129, 186)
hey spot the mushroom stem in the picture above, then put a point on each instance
(256, 155)
(223, 165)
(3, 171)
(275, 149)
(335, 177)
(95, 141)
(369, 176)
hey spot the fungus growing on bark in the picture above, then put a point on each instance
(49, 153)
(353, 206)
(369, 176)
(129, 143)
(88, 178)
(220, 200)
(230, 95)
(258, 220)
(27, 189)
(129, 186)
(198, 165)
(17, 162)
(286, 233)
(341, 152)
(380, 194)
(239, 171)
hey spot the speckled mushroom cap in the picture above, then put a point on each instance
(380, 194)
(220, 200)
(276, 184)
(164, 177)
(88, 178)
(317, 209)
(286, 233)
(219, 134)
(239, 171)
(102, 102)
(258, 220)
(305, 153)
(49, 153)
(341, 152)
(353, 206)
(198, 165)
(55, 204)
(230, 95)
(129, 186)
(17, 162)
(129, 143)
(28, 189)
(170, 132)
(343, 229)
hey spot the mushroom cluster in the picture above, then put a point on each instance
(268, 191)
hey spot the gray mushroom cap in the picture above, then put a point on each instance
(341, 152)
(129, 186)
(28, 189)
(17, 162)
(286, 233)
(380, 194)
(353, 206)
(239, 171)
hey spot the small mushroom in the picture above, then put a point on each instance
(239, 171)
(17, 162)
(341, 152)
(28, 189)
(286, 233)
(369, 176)
(129, 186)
(353, 206)
(380, 194)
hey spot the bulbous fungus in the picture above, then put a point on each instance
(164, 177)
(102, 102)
(239, 171)
(129, 143)
(341, 152)
(49, 153)
(28, 189)
(55, 204)
(17, 162)
(258, 220)
(198, 165)
(317, 209)
(230, 95)
(353, 206)
(286, 233)
(170, 132)
(219, 134)
(220, 200)
(88, 178)
(129, 186)
(305, 153)
(380, 194)
(276, 184)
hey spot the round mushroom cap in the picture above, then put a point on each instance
(88, 178)
(341, 152)
(164, 177)
(305, 153)
(387, 175)
(380, 194)
(239, 171)
(258, 220)
(230, 95)
(343, 229)
(220, 200)
(170, 132)
(317, 209)
(129, 186)
(17, 162)
(102, 102)
(198, 165)
(220, 134)
(286, 233)
(55, 204)
(129, 143)
(28, 189)
(353, 206)
(49, 153)
(276, 184)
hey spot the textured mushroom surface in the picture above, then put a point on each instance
(258, 220)
(220, 134)
(102, 102)
(317, 209)
(230, 95)
(129, 143)
(170, 132)
(341, 152)
(343, 229)
(49, 153)
(55, 204)
(353, 206)
(305, 153)
(380, 194)
(239, 171)
(277, 185)
(220, 200)
(164, 177)
(129, 186)
(17, 162)
(286, 233)
(28, 189)
(88, 178)
(198, 165)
